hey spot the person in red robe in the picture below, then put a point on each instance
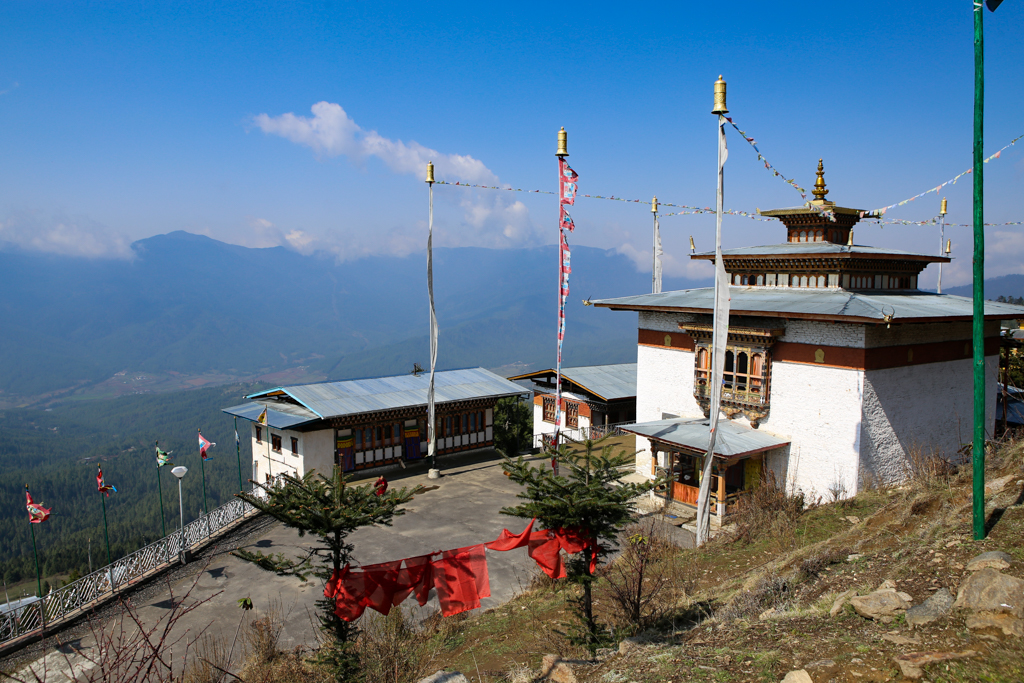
(381, 485)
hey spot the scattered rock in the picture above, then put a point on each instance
(554, 668)
(822, 664)
(988, 590)
(854, 556)
(932, 609)
(843, 598)
(910, 663)
(445, 677)
(903, 640)
(631, 644)
(767, 614)
(879, 605)
(798, 676)
(995, 559)
(1007, 623)
(853, 519)
(952, 543)
(997, 485)
(887, 585)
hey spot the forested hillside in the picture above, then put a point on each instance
(56, 451)
(189, 309)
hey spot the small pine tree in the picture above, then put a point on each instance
(330, 509)
(513, 425)
(588, 498)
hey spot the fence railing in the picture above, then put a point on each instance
(580, 433)
(70, 600)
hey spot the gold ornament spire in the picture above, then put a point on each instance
(430, 172)
(819, 191)
(720, 97)
(563, 148)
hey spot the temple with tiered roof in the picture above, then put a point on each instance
(839, 370)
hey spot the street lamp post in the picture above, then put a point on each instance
(179, 472)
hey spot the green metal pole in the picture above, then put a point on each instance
(202, 465)
(160, 489)
(238, 454)
(978, 451)
(35, 553)
(106, 537)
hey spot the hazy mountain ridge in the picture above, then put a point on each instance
(192, 305)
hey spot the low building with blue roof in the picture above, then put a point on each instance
(370, 423)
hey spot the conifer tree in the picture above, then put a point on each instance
(587, 498)
(330, 509)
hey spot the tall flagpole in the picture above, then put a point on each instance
(35, 554)
(978, 331)
(202, 468)
(160, 489)
(106, 535)
(656, 265)
(942, 238)
(563, 151)
(433, 472)
(238, 454)
(720, 328)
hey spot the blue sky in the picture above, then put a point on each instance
(123, 120)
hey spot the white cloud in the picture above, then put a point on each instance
(66, 235)
(331, 132)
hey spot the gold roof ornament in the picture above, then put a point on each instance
(942, 210)
(430, 172)
(563, 146)
(720, 97)
(654, 205)
(819, 190)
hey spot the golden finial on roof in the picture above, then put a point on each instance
(563, 149)
(819, 191)
(720, 97)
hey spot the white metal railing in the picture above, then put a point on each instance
(68, 600)
(592, 432)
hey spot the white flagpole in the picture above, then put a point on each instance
(656, 266)
(720, 328)
(433, 472)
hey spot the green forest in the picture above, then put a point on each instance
(56, 450)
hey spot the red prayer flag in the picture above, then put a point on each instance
(36, 512)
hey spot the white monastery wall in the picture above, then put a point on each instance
(817, 409)
(664, 385)
(925, 408)
(317, 451)
(823, 333)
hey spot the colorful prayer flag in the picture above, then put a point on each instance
(162, 457)
(262, 419)
(36, 512)
(101, 485)
(204, 445)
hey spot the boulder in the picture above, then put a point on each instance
(932, 609)
(1007, 623)
(997, 485)
(798, 676)
(994, 559)
(631, 644)
(902, 640)
(880, 604)
(843, 598)
(911, 663)
(445, 677)
(988, 590)
(554, 668)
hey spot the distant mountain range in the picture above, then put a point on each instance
(189, 310)
(1004, 285)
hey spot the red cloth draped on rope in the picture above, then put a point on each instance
(459, 576)
(567, 188)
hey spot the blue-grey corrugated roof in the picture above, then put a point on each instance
(813, 303)
(280, 415)
(610, 382)
(791, 248)
(734, 440)
(358, 396)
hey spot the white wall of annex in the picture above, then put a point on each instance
(664, 385)
(926, 408)
(817, 409)
(317, 451)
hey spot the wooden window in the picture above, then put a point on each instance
(259, 434)
(744, 377)
(358, 439)
(397, 430)
(295, 446)
(275, 443)
(549, 409)
(448, 426)
(480, 421)
(472, 422)
(572, 414)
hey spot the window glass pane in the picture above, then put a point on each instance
(359, 439)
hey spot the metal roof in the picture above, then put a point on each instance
(819, 248)
(358, 396)
(609, 382)
(734, 440)
(279, 414)
(819, 304)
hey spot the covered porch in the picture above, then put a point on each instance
(679, 446)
